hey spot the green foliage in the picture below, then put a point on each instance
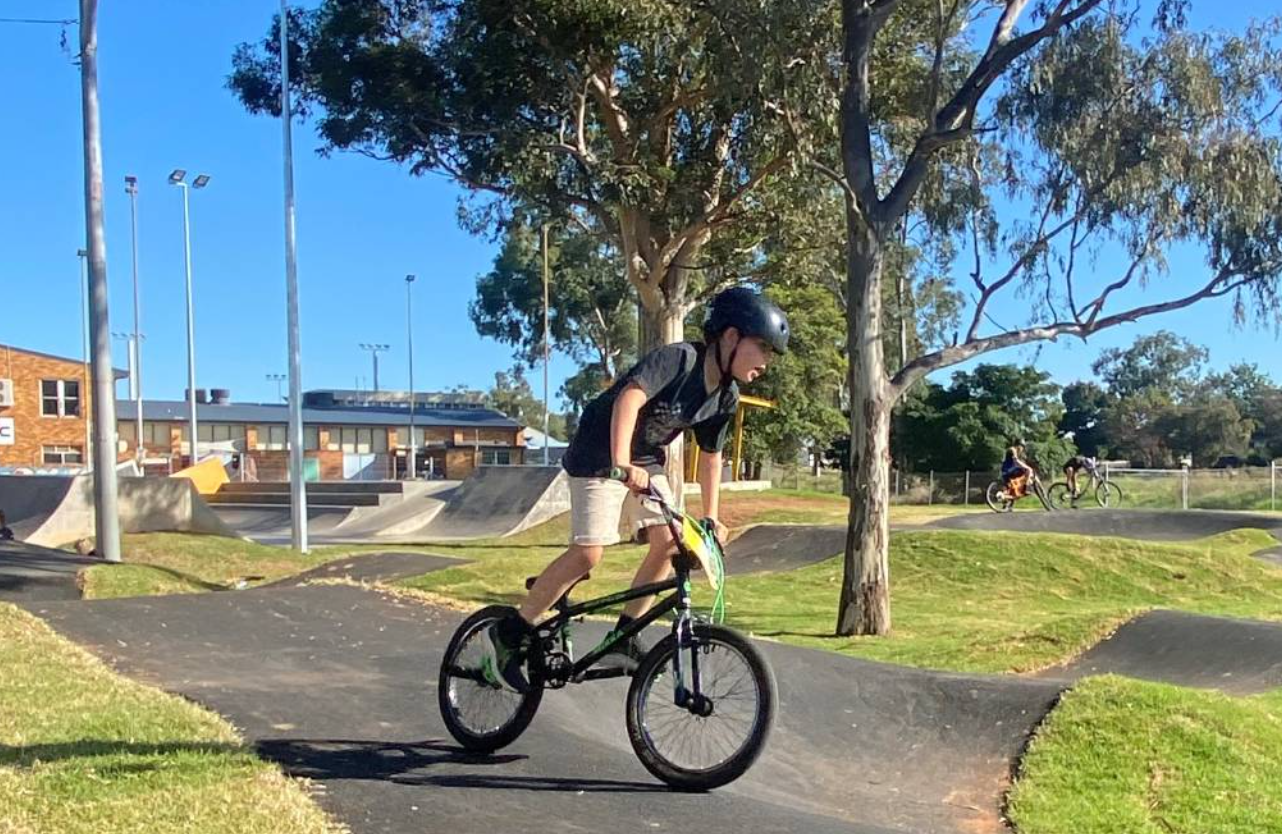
(513, 396)
(592, 308)
(970, 424)
(1163, 363)
(1083, 417)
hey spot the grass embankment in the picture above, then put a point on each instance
(967, 601)
(1119, 756)
(85, 750)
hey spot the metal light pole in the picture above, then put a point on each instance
(297, 487)
(412, 468)
(106, 515)
(176, 178)
(278, 379)
(135, 371)
(546, 349)
(375, 350)
(128, 339)
(87, 457)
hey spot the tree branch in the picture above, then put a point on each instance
(953, 122)
(1223, 282)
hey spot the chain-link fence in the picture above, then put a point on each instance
(1251, 488)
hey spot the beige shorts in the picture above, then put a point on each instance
(596, 506)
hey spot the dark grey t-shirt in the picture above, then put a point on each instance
(677, 399)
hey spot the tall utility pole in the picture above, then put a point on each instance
(411, 468)
(375, 349)
(297, 488)
(546, 349)
(135, 372)
(87, 457)
(106, 516)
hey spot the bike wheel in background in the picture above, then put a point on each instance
(995, 496)
(1108, 494)
(481, 716)
(1060, 496)
(704, 751)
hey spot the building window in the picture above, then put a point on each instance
(220, 432)
(62, 455)
(60, 398)
(273, 438)
(358, 440)
(496, 457)
(157, 435)
(311, 438)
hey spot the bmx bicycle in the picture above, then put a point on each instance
(1001, 500)
(701, 703)
(1106, 493)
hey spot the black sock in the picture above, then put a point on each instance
(624, 622)
(513, 629)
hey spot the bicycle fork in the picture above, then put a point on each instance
(690, 697)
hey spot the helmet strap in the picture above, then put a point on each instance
(724, 367)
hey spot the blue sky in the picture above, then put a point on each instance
(362, 224)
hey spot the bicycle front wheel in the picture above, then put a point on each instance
(1061, 497)
(997, 499)
(1108, 494)
(711, 744)
(481, 716)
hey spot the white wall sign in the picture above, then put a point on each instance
(6, 431)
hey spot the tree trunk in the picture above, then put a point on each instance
(659, 327)
(865, 590)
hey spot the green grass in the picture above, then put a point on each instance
(1225, 489)
(961, 600)
(85, 750)
(1120, 755)
(181, 563)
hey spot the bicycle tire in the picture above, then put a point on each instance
(1060, 496)
(996, 504)
(524, 705)
(655, 664)
(1108, 494)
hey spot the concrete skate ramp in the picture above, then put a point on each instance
(777, 547)
(1147, 525)
(496, 501)
(271, 525)
(1241, 657)
(52, 511)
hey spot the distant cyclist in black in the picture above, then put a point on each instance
(1074, 465)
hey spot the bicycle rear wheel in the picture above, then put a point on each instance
(1108, 494)
(704, 751)
(481, 716)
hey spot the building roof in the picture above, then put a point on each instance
(176, 411)
(117, 372)
(535, 439)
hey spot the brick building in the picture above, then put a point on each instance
(45, 407)
(346, 434)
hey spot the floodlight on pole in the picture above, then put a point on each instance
(375, 349)
(177, 178)
(135, 368)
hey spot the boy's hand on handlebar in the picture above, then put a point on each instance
(719, 530)
(637, 480)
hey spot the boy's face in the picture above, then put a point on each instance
(751, 359)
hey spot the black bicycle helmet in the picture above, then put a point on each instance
(751, 314)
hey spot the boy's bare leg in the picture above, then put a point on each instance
(656, 568)
(556, 579)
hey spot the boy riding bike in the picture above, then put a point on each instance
(677, 387)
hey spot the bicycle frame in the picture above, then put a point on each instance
(555, 630)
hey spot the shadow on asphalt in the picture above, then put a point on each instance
(354, 759)
(399, 762)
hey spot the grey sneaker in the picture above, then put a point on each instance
(500, 664)
(625, 655)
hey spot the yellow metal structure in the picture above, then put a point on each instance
(736, 452)
(207, 476)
